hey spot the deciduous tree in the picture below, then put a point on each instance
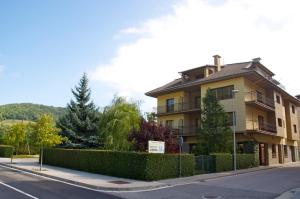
(117, 121)
(151, 131)
(45, 134)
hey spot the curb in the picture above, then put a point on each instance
(201, 178)
(94, 187)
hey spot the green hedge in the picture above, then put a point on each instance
(6, 151)
(244, 161)
(142, 166)
(219, 162)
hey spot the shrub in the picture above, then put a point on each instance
(142, 166)
(6, 151)
(244, 161)
(219, 162)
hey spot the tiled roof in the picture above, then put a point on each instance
(227, 70)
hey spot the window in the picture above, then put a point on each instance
(169, 124)
(295, 128)
(197, 102)
(278, 99)
(273, 151)
(279, 122)
(210, 71)
(230, 119)
(293, 109)
(285, 151)
(170, 105)
(224, 92)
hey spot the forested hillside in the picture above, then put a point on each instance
(28, 111)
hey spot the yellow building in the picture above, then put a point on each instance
(265, 113)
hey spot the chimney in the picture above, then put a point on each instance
(217, 62)
(256, 60)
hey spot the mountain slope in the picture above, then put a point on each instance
(28, 111)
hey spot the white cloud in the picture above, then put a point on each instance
(238, 30)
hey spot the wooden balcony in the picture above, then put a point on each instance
(185, 131)
(260, 101)
(265, 128)
(178, 108)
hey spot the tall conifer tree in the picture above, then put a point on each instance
(81, 120)
(214, 134)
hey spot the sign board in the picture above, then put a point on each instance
(156, 147)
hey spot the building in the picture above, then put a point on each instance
(265, 113)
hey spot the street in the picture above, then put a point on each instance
(261, 184)
(37, 187)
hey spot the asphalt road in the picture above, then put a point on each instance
(17, 185)
(262, 184)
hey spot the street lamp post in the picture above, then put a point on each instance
(234, 128)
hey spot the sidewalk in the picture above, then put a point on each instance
(90, 180)
(108, 183)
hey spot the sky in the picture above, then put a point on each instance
(130, 47)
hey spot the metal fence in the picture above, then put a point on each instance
(203, 163)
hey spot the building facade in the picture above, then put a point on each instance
(265, 113)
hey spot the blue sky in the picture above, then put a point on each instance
(130, 47)
(45, 46)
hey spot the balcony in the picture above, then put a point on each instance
(178, 108)
(261, 127)
(260, 101)
(185, 131)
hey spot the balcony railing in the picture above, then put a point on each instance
(260, 99)
(185, 130)
(254, 125)
(178, 107)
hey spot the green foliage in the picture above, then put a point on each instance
(6, 151)
(28, 111)
(81, 120)
(244, 161)
(15, 135)
(116, 123)
(218, 162)
(142, 166)
(221, 162)
(151, 117)
(214, 136)
(45, 133)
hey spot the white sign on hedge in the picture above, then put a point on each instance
(156, 147)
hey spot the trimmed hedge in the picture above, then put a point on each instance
(219, 162)
(245, 161)
(6, 151)
(142, 166)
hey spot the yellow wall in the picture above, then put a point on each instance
(252, 114)
(176, 119)
(280, 113)
(291, 120)
(251, 87)
(239, 106)
(178, 97)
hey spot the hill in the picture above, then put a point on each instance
(28, 111)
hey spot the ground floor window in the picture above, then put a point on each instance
(285, 151)
(274, 151)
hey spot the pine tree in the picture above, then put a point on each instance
(214, 134)
(81, 120)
